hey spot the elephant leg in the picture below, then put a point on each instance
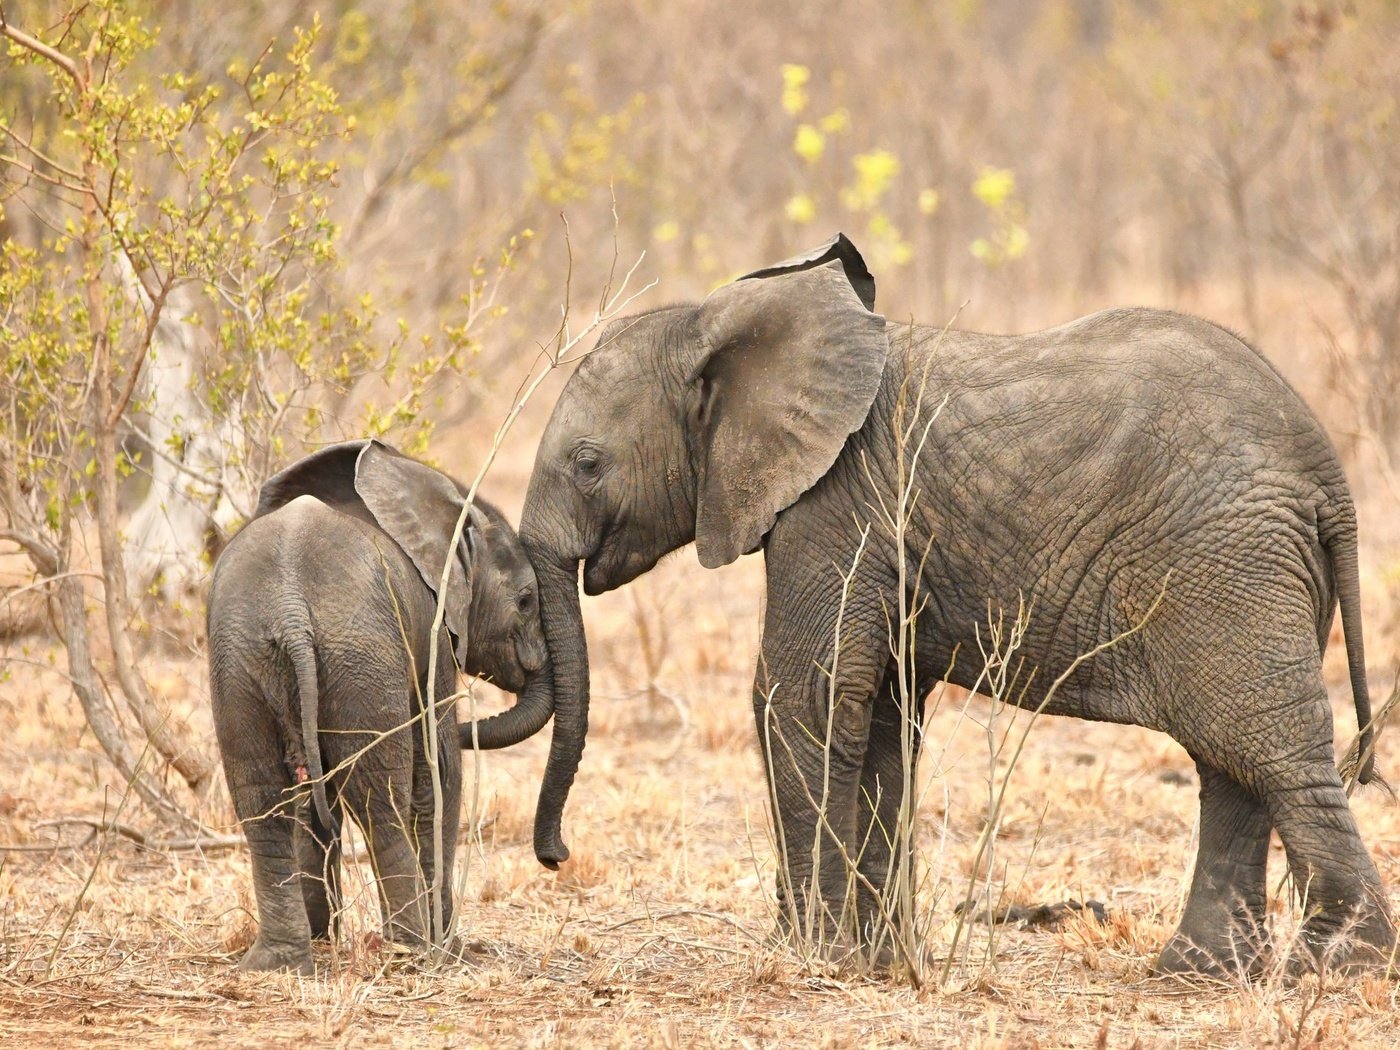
(1346, 919)
(1275, 741)
(318, 860)
(394, 852)
(1222, 930)
(885, 889)
(812, 707)
(450, 781)
(378, 790)
(258, 782)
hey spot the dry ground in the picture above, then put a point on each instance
(653, 933)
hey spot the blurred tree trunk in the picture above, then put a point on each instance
(168, 534)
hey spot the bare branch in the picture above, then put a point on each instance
(43, 50)
(45, 556)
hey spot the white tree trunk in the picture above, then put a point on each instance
(165, 537)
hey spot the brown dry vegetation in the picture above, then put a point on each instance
(654, 933)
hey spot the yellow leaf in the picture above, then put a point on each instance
(795, 88)
(874, 173)
(994, 186)
(801, 208)
(928, 201)
(666, 231)
(809, 143)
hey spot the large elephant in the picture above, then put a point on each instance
(1132, 462)
(320, 621)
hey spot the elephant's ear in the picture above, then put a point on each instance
(417, 507)
(838, 249)
(328, 474)
(788, 367)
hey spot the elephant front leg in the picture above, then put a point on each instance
(1222, 931)
(813, 735)
(885, 898)
(424, 808)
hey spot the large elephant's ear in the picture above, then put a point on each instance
(838, 249)
(417, 507)
(328, 474)
(790, 361)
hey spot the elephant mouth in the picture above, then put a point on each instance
(607, 568)
(501, 671)
(511, 680)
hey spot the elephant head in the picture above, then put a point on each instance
(696, 422)
(491, 609)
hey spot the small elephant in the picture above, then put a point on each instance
(320, 616)
(1136, 472)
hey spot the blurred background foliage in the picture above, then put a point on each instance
(1030, 160)
(386, 248)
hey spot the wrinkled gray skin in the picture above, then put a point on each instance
(1076, 467)
(320, 615)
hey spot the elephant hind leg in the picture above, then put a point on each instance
(1347, 922)
(318, 861)
(1222, 930)
(258, 781)
(450, 783)
(1283, 754)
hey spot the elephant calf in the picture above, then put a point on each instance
(1146, 483)
(320, 620)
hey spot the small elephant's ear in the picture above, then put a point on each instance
(418, 507)
(328, 474)
(788, 367)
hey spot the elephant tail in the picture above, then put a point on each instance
(303, 657)
(1341, 547)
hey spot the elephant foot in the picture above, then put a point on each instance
(263, 956)
(325, 924)
(406, 938)
(823, 945)
(1349, 947)
(880, 951)
(1220, 948)
(838, 949)
(1184, 959)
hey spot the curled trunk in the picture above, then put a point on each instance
(531, 711)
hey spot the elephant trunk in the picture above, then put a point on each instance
(508, 728)
(568, 653)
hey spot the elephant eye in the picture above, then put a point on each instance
(526, 601)
(587, 467)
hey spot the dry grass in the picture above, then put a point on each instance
(654, 933)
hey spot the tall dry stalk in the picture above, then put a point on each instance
(559, 353)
